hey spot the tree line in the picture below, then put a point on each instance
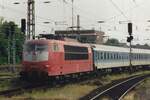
(10, 32)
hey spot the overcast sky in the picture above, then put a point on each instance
(90, 11)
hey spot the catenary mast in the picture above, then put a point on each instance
(31, 20)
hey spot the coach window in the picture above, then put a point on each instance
(122, 55)
(111, 55)
(135, 56)
(107, 55)
(140, 56)
(117, 56)
(104, 55)
(114, 56)
(101, 55)
(97, 55)
(145, 56)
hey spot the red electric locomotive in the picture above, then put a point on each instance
(46, 58)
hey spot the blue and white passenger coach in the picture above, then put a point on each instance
(112, 56)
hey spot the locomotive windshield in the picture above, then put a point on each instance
(35, 52)
(35, 47)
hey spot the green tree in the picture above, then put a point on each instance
(113, 42)
(5, 33)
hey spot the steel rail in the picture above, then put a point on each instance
(122, 87)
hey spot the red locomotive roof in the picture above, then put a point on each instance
(47, 41)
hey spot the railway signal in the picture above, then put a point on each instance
(130, 28)
(23, 25)
(129, 39)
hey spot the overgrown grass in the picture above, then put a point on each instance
(6, 74)
(5, 85)
(73, 91)
(68, 92)
(7, 80)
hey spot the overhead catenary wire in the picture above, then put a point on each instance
(116, 6)
(76, 8)
(39, 17)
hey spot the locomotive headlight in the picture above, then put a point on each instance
(47, 66)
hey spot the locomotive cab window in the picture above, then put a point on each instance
(35, 47)
(35, 52)
(75, 52)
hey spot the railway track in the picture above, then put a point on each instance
(28, 87)
(94, 95)
(116, 90)
(22, 89)
(7, 68)
(8, 78)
